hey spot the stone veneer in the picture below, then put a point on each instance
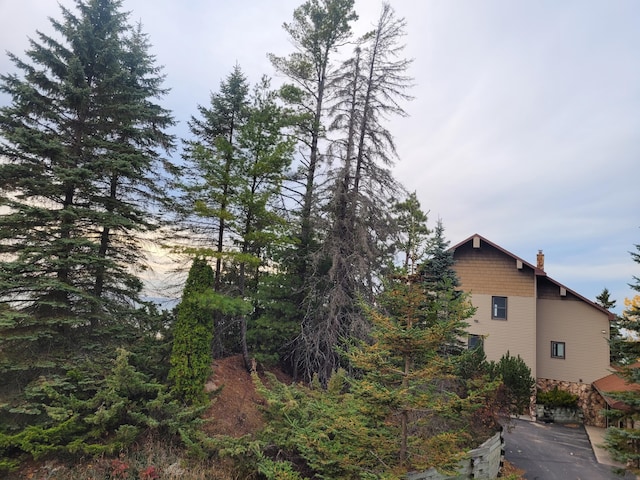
(590, 401)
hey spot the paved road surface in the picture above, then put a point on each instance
(554, 452)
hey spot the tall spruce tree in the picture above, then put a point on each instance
(79, 140)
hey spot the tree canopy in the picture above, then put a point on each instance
(82, 171)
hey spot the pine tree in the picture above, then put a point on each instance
(404, 370)
(624, 443)
(519, 385)
(616, 340)
(80, 138)
(259, 223)
(210, 180)
(355, 246)
(413, 231)
(318, 28)
(237, 165)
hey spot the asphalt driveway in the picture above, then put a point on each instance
(550, 451)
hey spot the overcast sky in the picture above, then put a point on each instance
(525, 127)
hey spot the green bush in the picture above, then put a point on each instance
(192, 334)
(328, 433)
(557, 398)
(518, 382)
(125, 404)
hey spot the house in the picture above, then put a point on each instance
(561, 335)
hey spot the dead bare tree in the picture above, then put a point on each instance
(368, 90)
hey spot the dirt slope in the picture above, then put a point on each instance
(236, 408)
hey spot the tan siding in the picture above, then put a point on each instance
(581, 327)
(517, 334)
(536, 315)
(486, 270)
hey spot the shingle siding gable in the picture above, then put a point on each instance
(487, 270)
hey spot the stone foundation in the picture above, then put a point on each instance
(590, 402)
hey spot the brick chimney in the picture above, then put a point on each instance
(540, 260)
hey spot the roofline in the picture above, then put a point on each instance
(537, 271)
(498, 247)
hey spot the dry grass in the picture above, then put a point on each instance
(511, 472)
(150, 460)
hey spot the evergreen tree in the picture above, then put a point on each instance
(318, 28)
(412, 232)
(437, 271)
(404, 370)
(237, 165)
(80, 141)
(629, 321)
(355, 248)
(605, 300)
(616, 340)
(518, 384)
(624, 443)
(259, 224)
(438, 266)
(210, 181)
(192, 333)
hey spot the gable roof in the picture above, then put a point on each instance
(537, 271)
(616, 383)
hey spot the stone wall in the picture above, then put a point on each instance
(559, 414)
(590, 401)
(483, 463)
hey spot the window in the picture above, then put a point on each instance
(475, 341)
(557, 349)
(499, 308)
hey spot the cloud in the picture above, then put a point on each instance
(524, 127)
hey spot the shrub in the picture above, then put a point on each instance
(191, 354)
(557, 398)
(518, 382)
(327, 433)
(125, 404)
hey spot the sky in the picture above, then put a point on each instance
(524, 127)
